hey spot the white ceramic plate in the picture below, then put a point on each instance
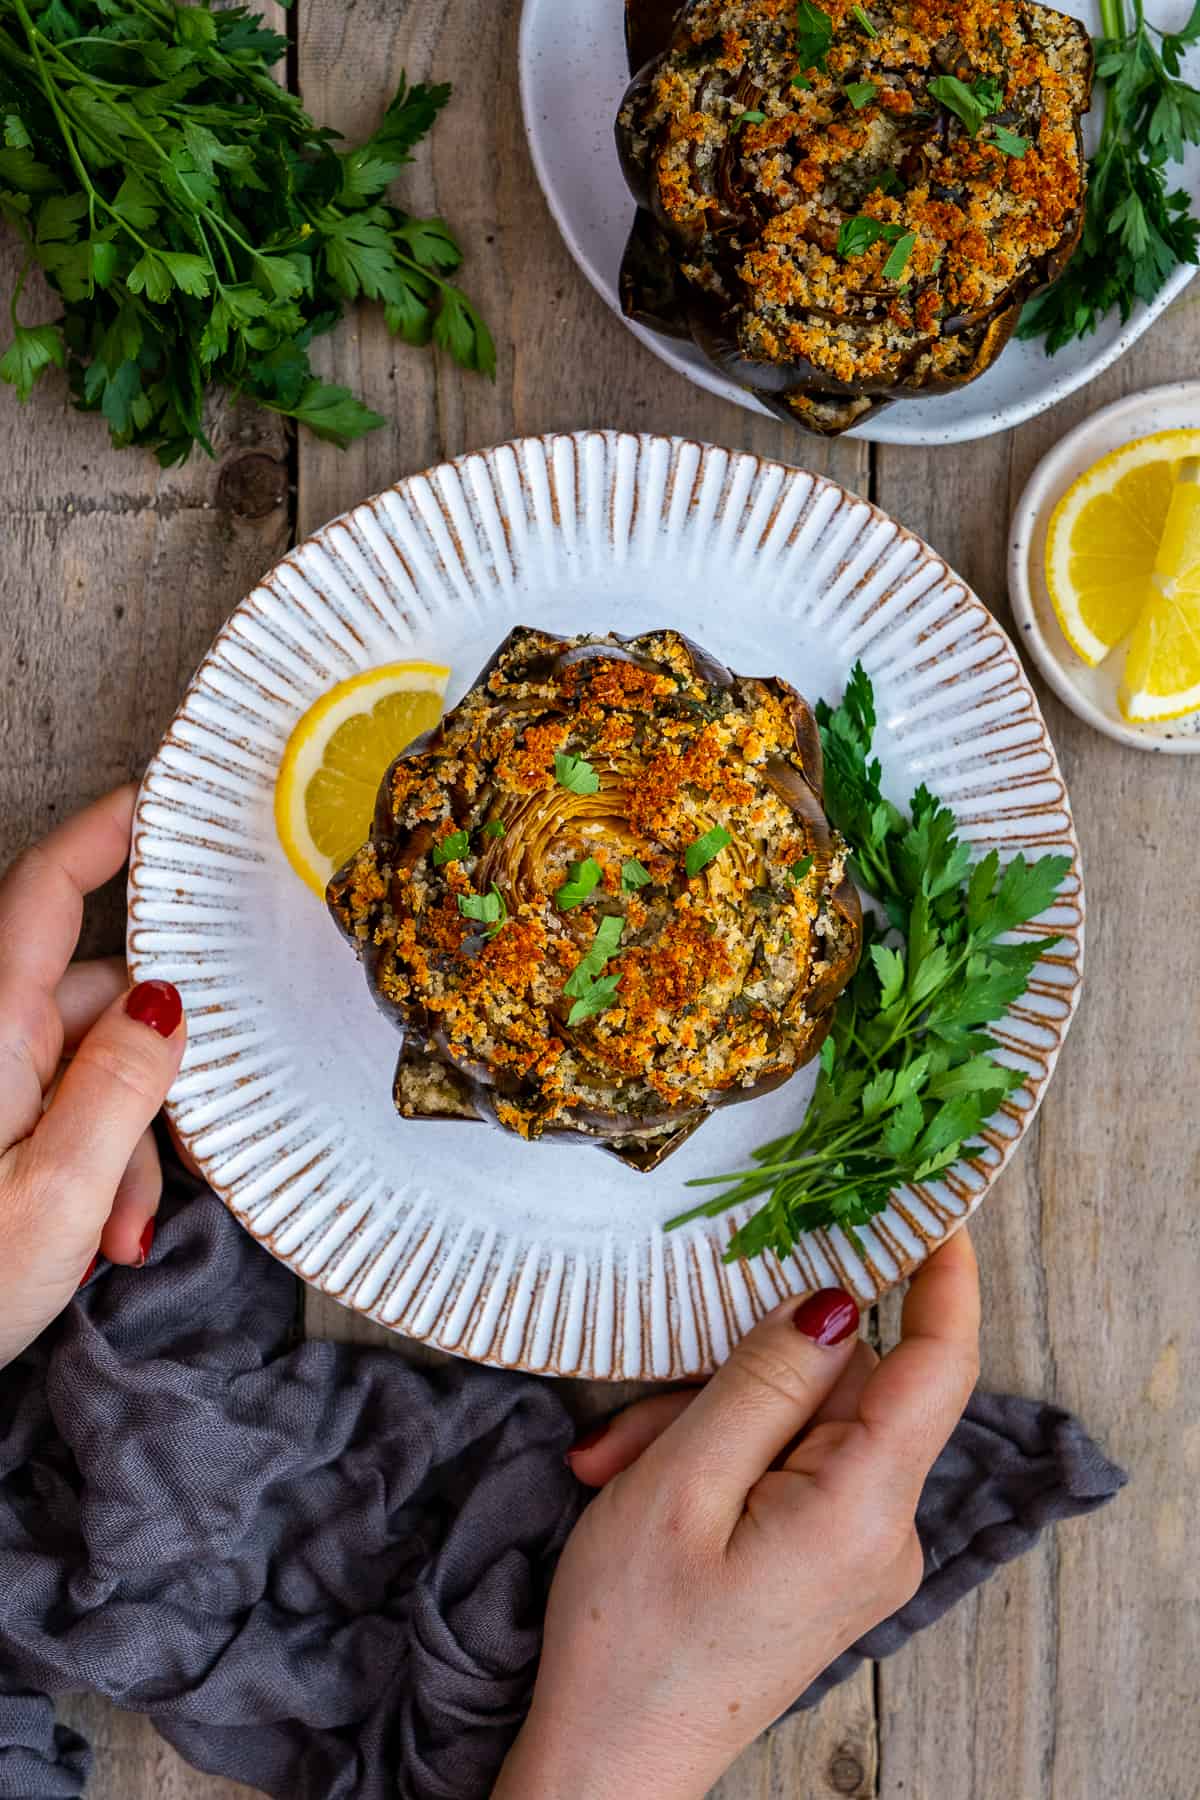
(1092, 693)
(573, 72)
(551, 1256)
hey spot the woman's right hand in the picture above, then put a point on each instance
(78, 1171)
(745, 1535)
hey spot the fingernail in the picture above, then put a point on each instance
(89, 1271)
(156, 1004)
(588, 1439)
(827, 1317)
(144, 1243)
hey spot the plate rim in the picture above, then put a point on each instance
(1003, 418)
(141, 966)
(1039, 493)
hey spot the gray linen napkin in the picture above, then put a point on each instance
(321, 1572)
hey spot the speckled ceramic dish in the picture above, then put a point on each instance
(1092, 693)
(551, 1256)
(574, 70)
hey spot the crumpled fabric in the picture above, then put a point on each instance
(322, 1572)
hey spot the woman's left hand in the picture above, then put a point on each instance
(85, 1063)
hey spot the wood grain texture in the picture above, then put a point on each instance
(1069, 1677)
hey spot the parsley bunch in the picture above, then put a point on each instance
(1135, 231)
(199, 227)
(908, 1074)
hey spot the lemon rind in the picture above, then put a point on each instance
(306, 745)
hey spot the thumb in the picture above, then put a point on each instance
(759, 1400)
(109, 1093)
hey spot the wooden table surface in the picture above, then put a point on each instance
(1072, 1675)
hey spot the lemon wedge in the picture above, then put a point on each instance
(1162, 668)
(337, 755)
(1104, 536)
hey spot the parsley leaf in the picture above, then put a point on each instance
(485, 909)
(575, 773)
(634, 875)
(697, 856)
(494, 828)
(598, 998)
(897, 262)
(1009, 141)
(814, 34)
(34, 349)
(860, 93)
(799, 869)
(907, 1077)
(582, 878)
(199, 228)
(859, 233)
(608, 935)
(864, 22)
(971, 104)
(451, 848)
(752, 117)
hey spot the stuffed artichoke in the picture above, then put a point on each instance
(845, 205)
(602, 897)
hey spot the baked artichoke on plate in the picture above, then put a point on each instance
(602, 897)
(846, 204)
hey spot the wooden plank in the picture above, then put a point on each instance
(1065, 1676)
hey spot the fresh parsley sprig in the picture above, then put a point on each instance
(1136, 229)
(908, 1075)
(200, 229)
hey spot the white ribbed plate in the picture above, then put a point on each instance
(551, 1256)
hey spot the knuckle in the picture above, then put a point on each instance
(765, 1367)
(132, 1065)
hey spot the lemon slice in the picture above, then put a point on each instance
(1162, 669)
(337, 755)
(1104, 536)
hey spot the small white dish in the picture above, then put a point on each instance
(573, 71)
(1091, 693)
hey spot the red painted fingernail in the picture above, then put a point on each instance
(89, 1271)
(828, 1317)
(156, 1004)
(144, 1243)
(588, 1439)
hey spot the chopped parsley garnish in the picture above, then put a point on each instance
(814, 34)
(860, 93)
(897, 262)
(908, 1075)
(858, 234)
(598, 998)
(751, 117)
(863, 20)
(493, 829)
(1009, 141)
(971, 104)
(591, 991)
(697, 856)
(634, 875)
(451, 848)
(581, 881)
(485, 909)
(890, 183)
(575, 773)
(800, 869)
(802, 81)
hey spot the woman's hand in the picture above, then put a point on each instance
(78, 1169)
(745, 1536)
